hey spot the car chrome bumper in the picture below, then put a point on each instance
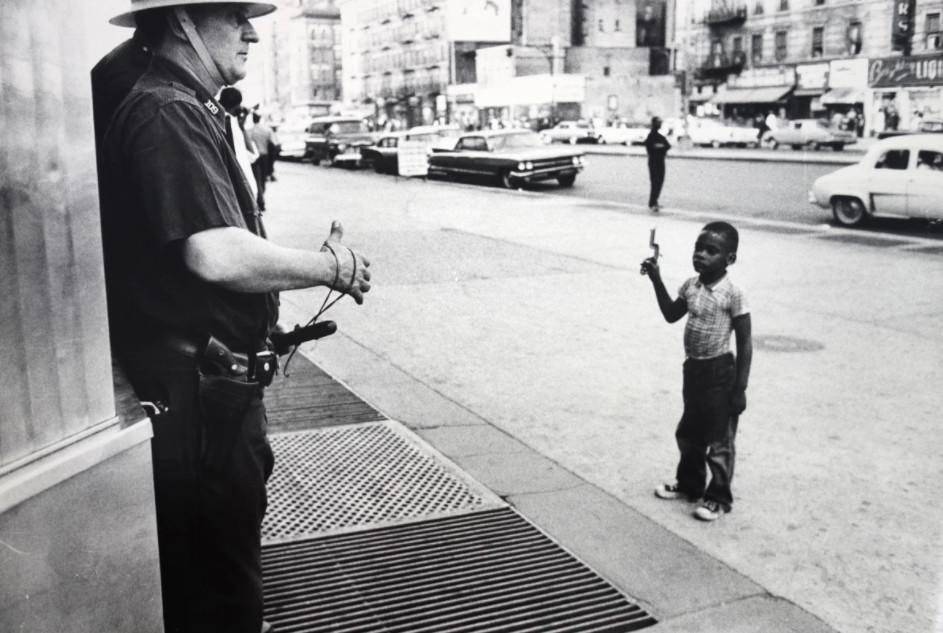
(546, 174)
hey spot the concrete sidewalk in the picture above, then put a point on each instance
(686, 589)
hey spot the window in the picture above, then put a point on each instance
(930, 160)
(783, 5)
(819, 3)
(618, 26)
(933, 22)
(781, 46)
(605, 71)
(818, 38)
(601, 27)
(737, 45)
(757, 47)
(758, 9)
(893, 159)
(934, 37)
(854, 38)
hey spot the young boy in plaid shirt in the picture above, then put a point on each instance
(715, 381)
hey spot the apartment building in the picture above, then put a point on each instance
(804, 58)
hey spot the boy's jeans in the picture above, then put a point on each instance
(707, 430)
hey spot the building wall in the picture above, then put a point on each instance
(618, 84)
(78, 548)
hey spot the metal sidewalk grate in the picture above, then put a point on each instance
(365, 475)
(485, 572)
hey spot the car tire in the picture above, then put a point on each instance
(378, 167)
(838, 147)
(507, 181)
(772, 143)
(566, 181)
(848, 211)
(796, 146)
(814, 146)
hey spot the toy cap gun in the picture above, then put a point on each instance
(652, 244)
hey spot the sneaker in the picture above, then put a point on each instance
(654, 208)
(710, 511)
(668, 491)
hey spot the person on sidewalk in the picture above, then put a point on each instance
(246, 152)
(261, 134)
(715, 382)
(656, 146)
(192, 301)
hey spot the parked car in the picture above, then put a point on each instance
(513, 157)
(924, 127)
(291, 138)
(811, 133)
(623, 134)
(716, 133)
(384, 154)
(898, 176)
(571, 132)
(337, 140)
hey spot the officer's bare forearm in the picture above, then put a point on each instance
(238, 260)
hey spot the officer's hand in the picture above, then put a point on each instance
(650, 268)
(738, 401)
(352, 269)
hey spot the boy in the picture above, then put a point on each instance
(715, 382)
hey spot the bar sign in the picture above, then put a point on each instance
(901, 25)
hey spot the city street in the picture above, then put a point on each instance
(527, 310)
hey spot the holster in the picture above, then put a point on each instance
(228, 382)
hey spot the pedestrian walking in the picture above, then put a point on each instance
(715, 381)
(657, 146)
(192, 301)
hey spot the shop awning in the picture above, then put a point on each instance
(843, 96)
(808, 92)
(770, 94)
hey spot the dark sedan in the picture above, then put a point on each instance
(513, 157)
(384, 154)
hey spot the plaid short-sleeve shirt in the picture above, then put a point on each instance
(711, 311)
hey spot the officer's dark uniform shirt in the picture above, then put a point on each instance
(169, 173)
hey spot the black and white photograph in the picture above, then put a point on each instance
(471, 316)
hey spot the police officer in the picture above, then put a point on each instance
(192, 296)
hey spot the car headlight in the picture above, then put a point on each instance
(528, 165)
(341, 147)
(521, 166)
(577, 160)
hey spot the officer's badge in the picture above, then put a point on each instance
(211, 106)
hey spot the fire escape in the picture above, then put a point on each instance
(722, 17)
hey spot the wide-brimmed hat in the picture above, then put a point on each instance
(127, 18)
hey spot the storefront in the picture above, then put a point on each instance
(811, 84)
(756, 92)
(903, 91)
(847, 90)
(532, 101)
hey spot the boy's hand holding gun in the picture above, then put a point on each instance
(650, 265)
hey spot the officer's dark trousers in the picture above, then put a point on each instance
(707, 430)
(656, 174)
(208, 520)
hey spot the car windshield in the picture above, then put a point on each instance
(517, 141)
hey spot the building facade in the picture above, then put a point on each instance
(804, 58)
(513, 61)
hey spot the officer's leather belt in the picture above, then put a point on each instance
(258, 366)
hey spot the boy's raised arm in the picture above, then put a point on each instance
(672, 310)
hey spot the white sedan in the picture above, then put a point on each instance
(631, 134)
(719, 134)
(899, 177)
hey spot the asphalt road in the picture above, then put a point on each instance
(527, 310)
(764, 190)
